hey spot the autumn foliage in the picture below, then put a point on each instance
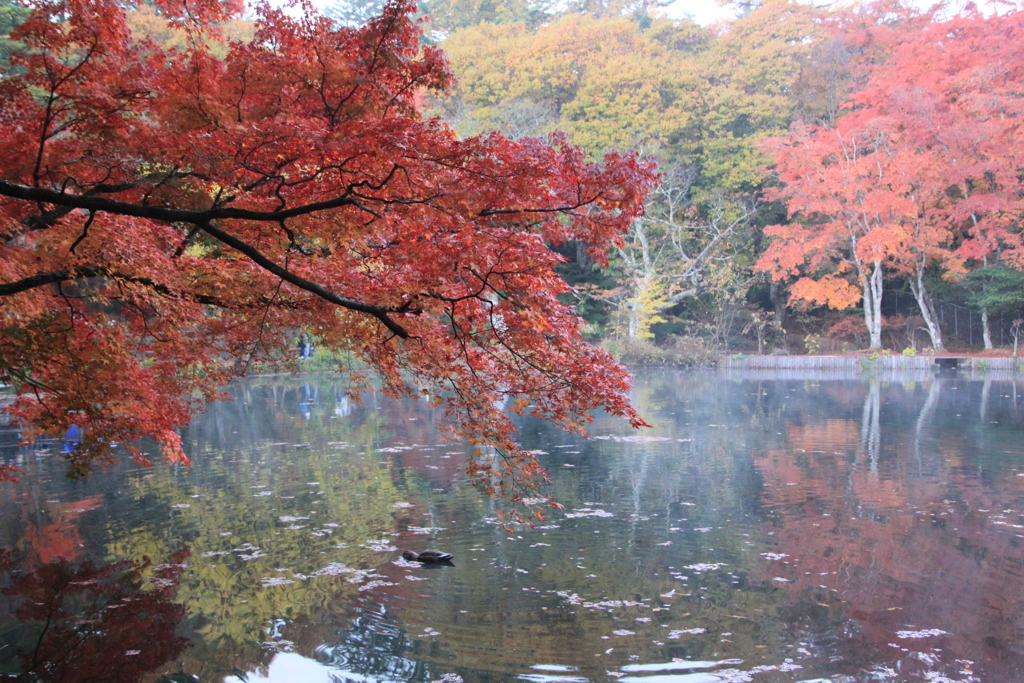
(79, 622)
(921, 171)
(171, 217)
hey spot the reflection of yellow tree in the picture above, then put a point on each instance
(241, 544)
(266, 543)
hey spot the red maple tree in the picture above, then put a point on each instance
(954, 86)
(921, 172)
(79, 622)
(169, 217)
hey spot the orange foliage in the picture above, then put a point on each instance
(923, 168)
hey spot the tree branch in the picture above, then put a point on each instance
(56, 276)
(202, 220)
(169, 215)
(259, 259)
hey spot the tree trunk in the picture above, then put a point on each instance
(634, 312)
(637, 257)
(986, 333)
(873, 303)
(924, 303)
(778, 303)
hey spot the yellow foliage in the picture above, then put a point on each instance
(146, 23)
(645, 307)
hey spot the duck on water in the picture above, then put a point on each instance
(428, 557)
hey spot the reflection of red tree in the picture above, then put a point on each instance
(59, 540)
(416, 433)
(898, 553)
(88, 622)
(442, 473)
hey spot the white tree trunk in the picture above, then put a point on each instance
(986, 333)
(873, 303)
(634, 312)
(924, 303)
(637, 258)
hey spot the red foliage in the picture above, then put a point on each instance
(953, 87)
(851, 328)
(169, 217)
(923, 169)
(9, 473)
(88, 622)
(59, 540)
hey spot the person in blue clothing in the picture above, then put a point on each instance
(305, 347)
(71, 438)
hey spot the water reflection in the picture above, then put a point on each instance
(909, 547)
(374, 647)
(79, 622)
(870, 423)
(763, 530)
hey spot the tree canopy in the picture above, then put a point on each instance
(921, 172)
(173, 215)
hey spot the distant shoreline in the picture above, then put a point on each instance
(944, 362)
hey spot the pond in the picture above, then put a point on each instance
(764, 529)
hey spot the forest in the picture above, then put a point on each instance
(832, 178)
(489, 205)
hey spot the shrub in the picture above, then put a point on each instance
(680, 351)
(852, 329)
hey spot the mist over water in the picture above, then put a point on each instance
(762, 530)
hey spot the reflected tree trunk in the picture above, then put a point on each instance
(927, 411)
(639, 482)
(986, 389)
(870, 424)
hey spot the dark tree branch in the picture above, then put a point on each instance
(165, 214)
(262, 261)
(39, 280)
(203, 220)
(86, 272)
(85, 232)
(556, 209)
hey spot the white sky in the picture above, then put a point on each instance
(703, 12)
(706, 12)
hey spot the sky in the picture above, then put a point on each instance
(703, 12)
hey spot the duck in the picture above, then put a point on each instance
(428, 557)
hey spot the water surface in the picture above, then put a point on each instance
(761, 530)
